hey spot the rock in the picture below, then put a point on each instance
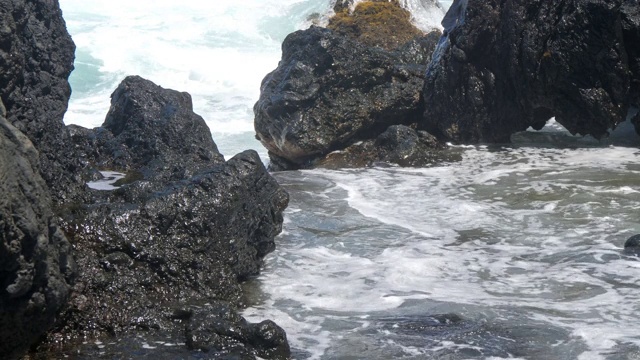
(632, 245)
(218, 331)
(399, 144)
(630, 11)
(382, 23)
(187, 230)
(36, 58)
(330, 91)
(150, 131)
(35, 257)
(503, 66)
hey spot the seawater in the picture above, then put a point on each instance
(513, 252)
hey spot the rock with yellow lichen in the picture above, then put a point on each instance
(343, 85)
(376, 23)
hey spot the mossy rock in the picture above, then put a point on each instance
(376, 23)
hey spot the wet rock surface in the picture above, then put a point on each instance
(332, 90)
(399, 144)
(36, 58)
(150, 131)
(185, 231)
(36, 266)
(503, 66)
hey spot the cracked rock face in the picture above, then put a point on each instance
(330, 91)
(36, 58)
(503, 66)
(184, 233)
(36, 266)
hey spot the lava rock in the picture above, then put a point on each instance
(630, 11)
(36, 266)
(36, 58)
(632, 245)
(330, 91)
(220, 332)
(149, 131)
(186, 227)
(502, 66)
(399, 145)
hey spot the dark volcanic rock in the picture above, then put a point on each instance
(218, 330)
(36, 58)
(151, 131)
(632, 245)
(36, 266)
(330, 91)
(503, 66)
(631, 32)
(186, 231)
(399, 145)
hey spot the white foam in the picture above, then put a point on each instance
(218, 51)
(520, 227)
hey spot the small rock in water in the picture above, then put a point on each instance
(632, 245)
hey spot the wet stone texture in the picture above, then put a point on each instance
(503, 66)
(335, 87)
(36, 58)
(36, 266)
(185, 231)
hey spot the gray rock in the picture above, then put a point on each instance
(398, 145)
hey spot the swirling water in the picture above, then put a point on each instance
(514, 252)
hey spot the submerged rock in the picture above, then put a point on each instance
(218, 330)
(399, 145)
(332, 90)
(36, 58)
(632, 245)
(186, 231)
(36, 266)
(503, 66)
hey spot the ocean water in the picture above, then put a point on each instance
(513, 252)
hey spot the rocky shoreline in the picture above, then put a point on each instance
(164, 253)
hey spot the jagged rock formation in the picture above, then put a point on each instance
(177, 238)
(36, 58)
(146, 132)
(183, 233)
(36, 266)
(331, 90)
(503, 66)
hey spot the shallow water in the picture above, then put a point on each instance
(521, 245)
